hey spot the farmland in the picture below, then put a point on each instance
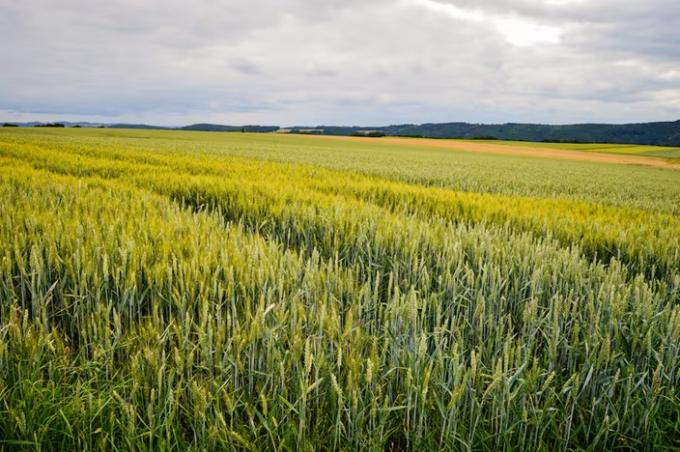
(188, 290)
(635, 149)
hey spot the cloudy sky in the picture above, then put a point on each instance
(368, 62)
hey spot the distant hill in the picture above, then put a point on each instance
(651, 133)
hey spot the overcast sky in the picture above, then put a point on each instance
(368, 62)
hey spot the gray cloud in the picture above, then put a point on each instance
(342, 62)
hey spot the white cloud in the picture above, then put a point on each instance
(515, 29)
(340, 61)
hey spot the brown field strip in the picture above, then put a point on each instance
(504, 149)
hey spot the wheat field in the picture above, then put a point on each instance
(164, 290)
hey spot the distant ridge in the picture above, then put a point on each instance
(651, 133)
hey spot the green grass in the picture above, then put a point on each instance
(206, 291)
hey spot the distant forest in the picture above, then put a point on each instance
(652, 133)
(655, 133)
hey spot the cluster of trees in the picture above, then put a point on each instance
(368, 133)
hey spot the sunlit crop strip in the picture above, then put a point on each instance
(646, 241)
(155, 300)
